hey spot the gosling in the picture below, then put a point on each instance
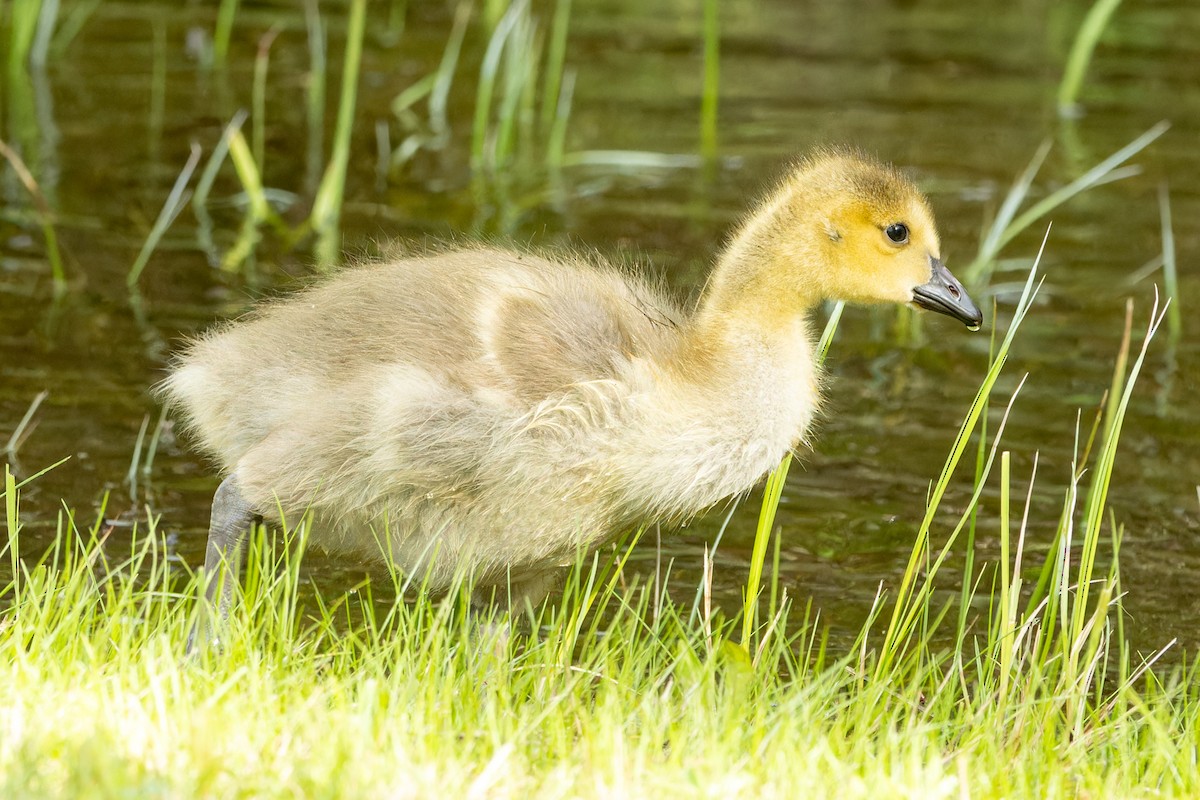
(492, 413)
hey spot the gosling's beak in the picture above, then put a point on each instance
(945, 295)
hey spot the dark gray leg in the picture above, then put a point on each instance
(232, 519)
(498, 612)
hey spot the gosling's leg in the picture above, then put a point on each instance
(232, 519)
(499, 612)
(517, 595)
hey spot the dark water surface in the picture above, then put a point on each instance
(959, 93)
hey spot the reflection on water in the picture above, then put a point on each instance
(960, 93)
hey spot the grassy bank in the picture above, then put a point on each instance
(616, 691)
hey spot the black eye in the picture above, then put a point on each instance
(897, 232)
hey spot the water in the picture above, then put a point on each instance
(959, 93)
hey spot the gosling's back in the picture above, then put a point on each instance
(474, 404)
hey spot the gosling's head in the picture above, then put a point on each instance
(876, 235)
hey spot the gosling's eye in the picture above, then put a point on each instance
(897, 232)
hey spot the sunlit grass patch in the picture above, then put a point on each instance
(616, 690)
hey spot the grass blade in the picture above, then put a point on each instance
(1170, 270)
(1103, 172)
(902, 610)
(44, 214)
(770, 503)
(176, 200)
(1082, 48)
(327, 206)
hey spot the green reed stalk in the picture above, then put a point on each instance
(258, 96)
(519, 71)
(556, 145)
(327, 206)
(131, 475)
(1170, 271)
(911, 601)
(981, 451)
(44, 214)
(439, 90)
(770, 503)
(249, 174)
(11, 503)
(1008, 225)
(1101, 173)
(1004, 630)
(712, 79)
(396, 15)
(258, 209)
(40, 49)
(436, 87)
(224, 30)
(1122, 390)
(494, 11)
(24, 427)
(525, 83)
(555, 61)
(71, 24)
(773, 599)
(762, 537)
(989, 243)
(152, 445)
(488, 72)
(1093, 503)
(1011, 628)
(23, 26)
(1082, 48)
(176, 200)
(314, 94)
(211, 167)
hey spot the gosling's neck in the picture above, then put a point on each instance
(768, 277)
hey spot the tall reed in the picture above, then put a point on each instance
(23, 32)
(712, 80)
(175, 202)
(226, 13)
(327, 206)
(1008, 224)
(1082, 48)
(43, 213)
(772, 493)
(1170, 270)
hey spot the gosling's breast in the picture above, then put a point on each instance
(704, 441)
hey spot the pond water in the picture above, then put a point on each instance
(961, 94)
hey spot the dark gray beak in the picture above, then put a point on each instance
(945, 295)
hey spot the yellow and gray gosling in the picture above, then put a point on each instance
(492, 413)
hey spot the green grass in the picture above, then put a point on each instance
(712, 79)
(314, 93)
(44, 215)
(226, 13)
(175, 202)
(772, 493)
(327, 205)
(24, 427)
(27, 17)
(617, 690)
(1080, 57)
(258, 96)
(1008, 224)
(1170, 271)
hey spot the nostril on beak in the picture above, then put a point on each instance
(954, 291)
